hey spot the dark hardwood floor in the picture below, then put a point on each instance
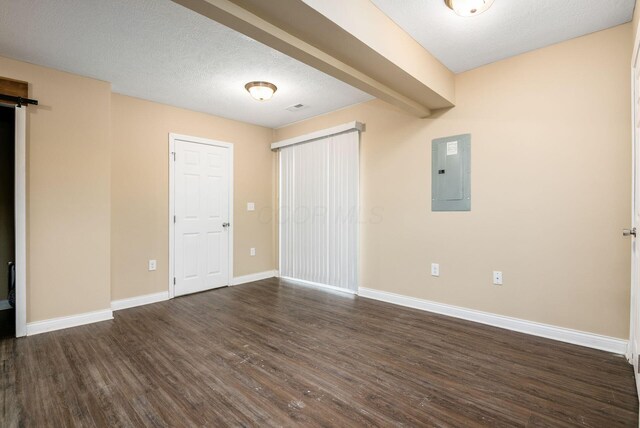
(274, 354)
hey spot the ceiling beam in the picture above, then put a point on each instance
(295, 28)
(373, 43)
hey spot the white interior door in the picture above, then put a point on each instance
(635, 250)
(202, 216)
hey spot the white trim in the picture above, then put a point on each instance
(279, 213)
(4, 305)
(231, 203)
(172, 142)
(254, 277)
(162, 296)
(318, 134)
(53, 324)
(634, 272)
(633, 346)
(632, 349)
(590, 340)
(132, 302)
(172, 165)
(21, 220)
(319, 285)
(358, 221)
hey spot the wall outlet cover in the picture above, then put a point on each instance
(497, 277)
(435, 269)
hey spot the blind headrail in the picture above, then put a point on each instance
(345, 127)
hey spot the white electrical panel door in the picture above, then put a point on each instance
(451, 173)
(201, 217)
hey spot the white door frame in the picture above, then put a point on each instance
(172, 209)
(632, 349)
(21, 220)
(20, 208)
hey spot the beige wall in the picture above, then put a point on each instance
(550, 189)
(140, 204)
(636, 18)
(68, 196)
(89, 172)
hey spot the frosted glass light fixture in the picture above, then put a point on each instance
(261, 91)
(468, 7)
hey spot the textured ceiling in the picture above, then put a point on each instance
(160, 51)
(509, 28)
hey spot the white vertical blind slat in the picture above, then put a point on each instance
(319, 210)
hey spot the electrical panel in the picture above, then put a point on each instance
(451, 173)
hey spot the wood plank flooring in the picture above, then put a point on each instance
(271, 353)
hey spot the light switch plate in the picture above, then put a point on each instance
(435, 269)
(152, 265)
(252, 251)
(251, 206)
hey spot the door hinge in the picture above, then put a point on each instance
(174, 219)
(174, 156)
(174, 280)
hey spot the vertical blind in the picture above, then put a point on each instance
(319, 211)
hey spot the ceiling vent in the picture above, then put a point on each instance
(296, 107)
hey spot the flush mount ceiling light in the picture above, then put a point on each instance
(468, 7)
(261, 91)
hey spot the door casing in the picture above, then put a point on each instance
(20, 206)
(634, 318)
(173, 138)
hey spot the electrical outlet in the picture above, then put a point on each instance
(497, 277)
(435, 269)
(152, 265)
(251, 206)
(252, 252)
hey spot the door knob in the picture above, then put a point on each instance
(229, 224)
(629, 232)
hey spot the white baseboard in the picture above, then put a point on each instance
(576, 337)
(38, 327)
(254, 277)
(324, 287)
(146, 299)
(632, 357)
(4, 305)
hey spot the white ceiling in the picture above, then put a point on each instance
(508, 28)
(160, 51)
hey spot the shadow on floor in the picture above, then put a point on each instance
(7, 323)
